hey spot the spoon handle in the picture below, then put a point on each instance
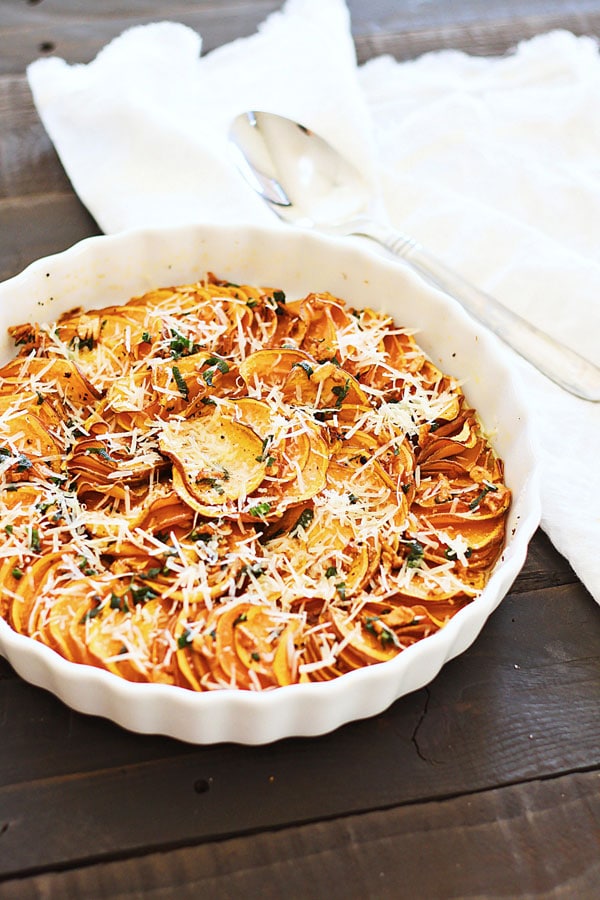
(561, 364)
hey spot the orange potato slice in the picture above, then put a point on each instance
(217, 458)
(62, 374)
(283, 493)
(272, 367)
(130, 643)
(366, 645)
(225, 647)
(28, 593)
(38, 453)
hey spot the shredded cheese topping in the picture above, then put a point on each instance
(213, 487)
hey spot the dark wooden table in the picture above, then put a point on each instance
(484, 784)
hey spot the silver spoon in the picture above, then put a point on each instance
(306, 182)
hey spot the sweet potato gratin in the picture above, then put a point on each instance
(213, 488)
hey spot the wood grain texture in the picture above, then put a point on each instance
(537, 840)
(483, 785)
(77, 30)
(38, 226)
(442, 741)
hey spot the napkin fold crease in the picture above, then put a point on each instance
(492, 163)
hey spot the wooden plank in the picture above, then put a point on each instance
(544, 567)
(478, 38)
(77, 31)
(540, 669)
(29, 163)
(39, 226)
(522, 703)
(540, 839)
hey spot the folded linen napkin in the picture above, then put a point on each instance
(491, 163)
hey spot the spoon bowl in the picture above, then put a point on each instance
(297, 173)
(307, 183)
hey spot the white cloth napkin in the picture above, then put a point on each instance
(493, 164)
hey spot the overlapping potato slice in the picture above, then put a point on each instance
(105, 461)
(28, 449)
(244, 645)
(322, 316)
(216, 460)
(130, 642)
(216, 487)
(69, 383)
(34, 582)
(47, 408)
(190, 568)
(268, 368)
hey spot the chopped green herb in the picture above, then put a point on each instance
(212, 482)
(35, 540)
(180, 345)
(17, 573)
(330, 572)
(449, 553)
(303, 364)
(142, 593)
(204, 536)
(181, 383)
(332, 359)
(341, 589)
(185, 639)
(486, 490)
(23, 463)
(90, 614)
(99, 451)
(254, 569)
(303, 521)
(85, 567)
(278, 296)
(146, 339)
(86, 343)
(265, 444)
(119, 603)
(341, 391)
(261, 509)
(216, 362)
(382, 633)
(415, 555)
